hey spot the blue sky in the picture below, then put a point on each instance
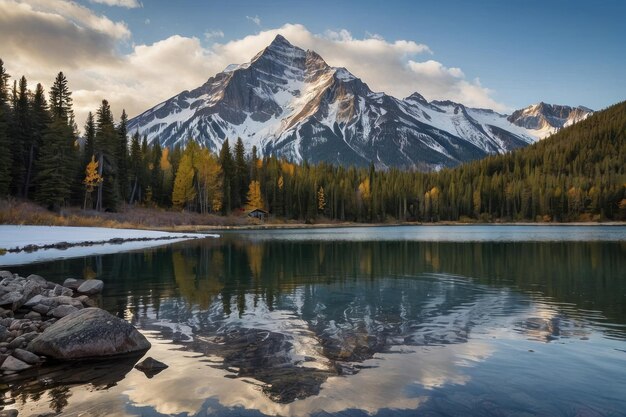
(569, 52)
(498, 54)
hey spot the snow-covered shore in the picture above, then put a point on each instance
(14, 237)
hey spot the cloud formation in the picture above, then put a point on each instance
(42, 37)
(129, 4)
(213, 34)
(254, 19)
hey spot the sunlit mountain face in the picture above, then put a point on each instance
(289, 102)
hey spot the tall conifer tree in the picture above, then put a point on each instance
(227, 163)
(5, 154)
(21, 136)
(57, 160)
(107, 147)
(122, 155)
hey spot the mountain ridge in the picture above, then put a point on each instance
(290, 102)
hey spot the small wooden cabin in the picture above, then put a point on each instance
(258, 214)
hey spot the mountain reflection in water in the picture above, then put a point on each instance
(289, 327)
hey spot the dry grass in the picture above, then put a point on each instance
(28, 213)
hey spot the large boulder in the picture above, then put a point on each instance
(88, 333)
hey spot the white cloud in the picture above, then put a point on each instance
(42, 37)
(254, 19)
(129, 4)
(213, 34)
(147, 21)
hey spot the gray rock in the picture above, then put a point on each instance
(150, 366)
(16, 324)
(4, 333)
(87, 333)
(62, 311)
(9, 413)
(26, 356)
(73, 283)
(61, 300)
(5, 274)
(33, 315)
(18, 342)
(61, 290)
(32, 288)
(14, 364)
(41, 309)
(33, 301)
(13, 300)
(91, 286)
(29, 336)
(39, 279)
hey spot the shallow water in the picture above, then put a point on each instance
(453, 320)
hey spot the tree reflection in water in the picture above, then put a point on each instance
(291, 314)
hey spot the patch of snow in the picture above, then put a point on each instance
(12, 237)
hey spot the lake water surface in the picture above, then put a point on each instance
(429, 321)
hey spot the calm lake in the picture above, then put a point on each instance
(402, 321)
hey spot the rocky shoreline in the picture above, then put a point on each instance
(42, 321)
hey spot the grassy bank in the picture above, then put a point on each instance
(148, 218)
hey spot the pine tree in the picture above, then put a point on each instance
(227, 163)
(53, 176)
(107, 146)
(40, 118)
(5, 149)
(89, 149)
(122, 155)
(57, 160)
(21, 136)
(156, 177)
(61, 99)
(241, 172)
(135, 168)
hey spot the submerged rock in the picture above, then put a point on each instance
(91, 286)
(88, 333)
(150, 366)
(73, 283)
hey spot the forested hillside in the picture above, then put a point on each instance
(576, 174)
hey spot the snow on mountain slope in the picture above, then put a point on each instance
(546, 119)
(290, 102)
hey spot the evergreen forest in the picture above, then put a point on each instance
(577, 174)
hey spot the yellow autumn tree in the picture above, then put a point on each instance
(365, 189)
(254, 198)
(184, 191)
(321, 199)
(92, 179)
(209, 181)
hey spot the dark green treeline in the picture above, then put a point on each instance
(577, 174)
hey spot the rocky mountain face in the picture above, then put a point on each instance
(548, 118)
(290, 102)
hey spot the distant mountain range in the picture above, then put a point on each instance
(290, 102)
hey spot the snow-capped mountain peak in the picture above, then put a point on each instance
(290, 102)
